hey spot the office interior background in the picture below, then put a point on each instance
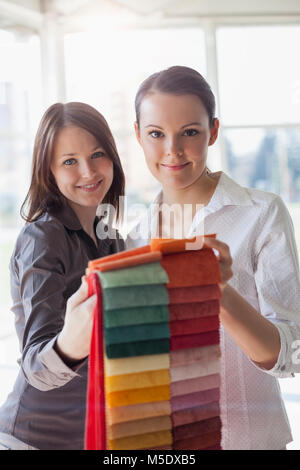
(99, 51)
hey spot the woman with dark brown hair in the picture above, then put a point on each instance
(75, 168)
(260, 302)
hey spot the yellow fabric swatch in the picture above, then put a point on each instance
(152, 378)
(131, 365)
(143, 395)
(141, 426)
(143, 441)
(121, 414)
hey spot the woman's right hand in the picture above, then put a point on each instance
(73, 342)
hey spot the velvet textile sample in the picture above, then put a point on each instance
(140, 426)
(125, 365)
(128, 334)
(195, 414)
(161, 353)
(121, 414)
(183, 357)
(138, 348)
(150, 378)
(136, 316)
(135, 296)
(145, 274)
(142, 395)
(144, 441)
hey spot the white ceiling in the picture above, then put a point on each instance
(29, 13)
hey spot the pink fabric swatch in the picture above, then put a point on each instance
(198, 413)
(194, 399)
(182, 357)
(197, 384)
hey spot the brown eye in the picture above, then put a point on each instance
(191, 132)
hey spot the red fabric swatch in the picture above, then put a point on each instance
(182, 295)
(195, 325)
(198, 384)
(194, 310)
(192, 268)
(194, 341)
(95, 431)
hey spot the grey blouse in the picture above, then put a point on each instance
(46, 408)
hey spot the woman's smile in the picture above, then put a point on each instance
(172, 167)
(90, 187)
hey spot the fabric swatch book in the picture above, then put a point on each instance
(154, 364)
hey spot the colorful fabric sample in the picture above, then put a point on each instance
(154, 364)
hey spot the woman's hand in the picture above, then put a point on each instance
(73, 343)
(224, 257)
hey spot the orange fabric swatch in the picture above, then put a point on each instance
(95, 263)
(146, 379)
(135, 260)
(142, 395)
(192, 268)
(160, 438)
(120, 414)
(171, 245)
(140, 426)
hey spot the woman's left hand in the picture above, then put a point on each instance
(224, 257)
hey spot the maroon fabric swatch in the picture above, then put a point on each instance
(194, 429)
(194, 310)
(194, 325)
(198, 413)
(197, 384)
(199, 442)
(191, 400)
(194, 341)
(182, 295)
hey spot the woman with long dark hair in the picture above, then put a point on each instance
(75, 168)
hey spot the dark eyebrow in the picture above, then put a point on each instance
(73, 154)
(186, 125)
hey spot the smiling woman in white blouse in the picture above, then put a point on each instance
(260, 304)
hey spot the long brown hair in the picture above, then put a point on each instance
(43, 193)
(178, 80)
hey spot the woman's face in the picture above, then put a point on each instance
(82, 170)
(174, 133)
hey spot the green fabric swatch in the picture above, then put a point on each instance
(127, 334)
(141, 348)
(135, 296)
(150, 273)
(136, 316)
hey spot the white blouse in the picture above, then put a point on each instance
(259, 231)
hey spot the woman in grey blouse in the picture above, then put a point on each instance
(75, 167)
